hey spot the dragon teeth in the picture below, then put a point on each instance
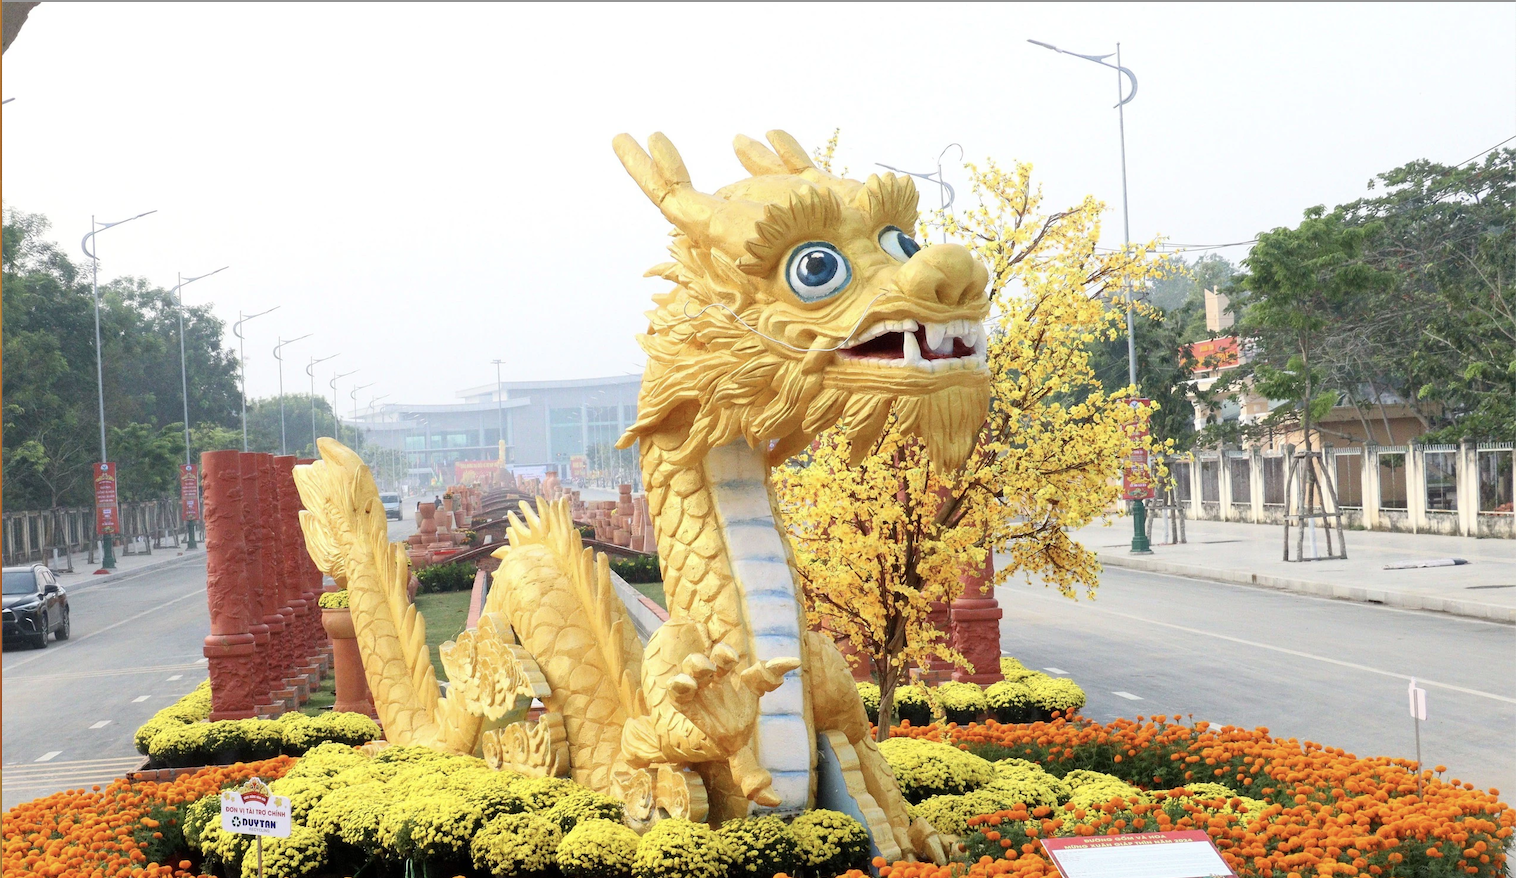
(935, 333)
(913, 351)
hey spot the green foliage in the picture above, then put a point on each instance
(642, 569)
(831, 842)
(51, 427)
(676, 848)
(453, 576)
(760, 846)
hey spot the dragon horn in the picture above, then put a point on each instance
(758, 159)
(790, 152)
(666, 182)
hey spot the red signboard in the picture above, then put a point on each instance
(475, 472)
(1137, 475)
(189, 493)
(107, 513)
(1212, 354)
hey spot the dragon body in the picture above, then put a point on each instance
(799, 301)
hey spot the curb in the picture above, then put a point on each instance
(125, 575)
(1402, 599)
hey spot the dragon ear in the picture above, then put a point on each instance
(758, 159)
(666, 182)
(790, 152)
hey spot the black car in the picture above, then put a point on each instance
(35, 604)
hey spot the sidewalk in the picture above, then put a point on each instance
(127, 567)
(1252, 554)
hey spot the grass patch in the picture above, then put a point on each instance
(446, 617)
(323, 698)
(653, 591)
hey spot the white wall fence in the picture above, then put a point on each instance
(1462, 490)
(32, 537)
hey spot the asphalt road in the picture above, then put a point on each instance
(69, 711)
(1309, 668)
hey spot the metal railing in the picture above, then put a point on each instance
(38, 535)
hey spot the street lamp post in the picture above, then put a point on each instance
(353, 394)
(372, 413)
(336, 418)
(310, 370)
(1140, 544)
(283, 444)
(107, 556)
(242, 362)
(945, 190)
(189, 526)
(500, 402)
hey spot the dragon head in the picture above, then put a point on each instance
(801, 300)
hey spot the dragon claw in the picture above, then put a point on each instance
(683, 687)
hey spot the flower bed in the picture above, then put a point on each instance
(178, 736)
(1023, 696)
(1276, 808)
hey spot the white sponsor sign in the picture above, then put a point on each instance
(1418, 700)
(252, 810)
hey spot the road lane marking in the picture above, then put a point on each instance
(101, 724)
(202, 661)
(140, 698)
(1294, 652)
(108, 672)
(1128, 696)
(176, 677)
(1055, 670)
(74, 641)
(49, 756)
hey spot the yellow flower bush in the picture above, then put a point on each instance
(517, 846)
(1024, 782)
(584, 804)
(1011, 669)
(428, 826)
(831, 842)
(304, 793)
(1056, 693)
(333, 600)
(541, 793)
(928, 768)
(303, 853)
(353, 814)
(598, 848)
(913, 704)
(760, 846)
(676, 848)
(327, 760)
(869, 693)
(961, 703)
(1091, 789)
(488, 790)
(192, 708)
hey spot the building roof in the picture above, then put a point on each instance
(550, 385)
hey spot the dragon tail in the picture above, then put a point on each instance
(347, 535)
(559, 599)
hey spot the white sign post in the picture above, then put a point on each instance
(253, 810)
(1418, 698)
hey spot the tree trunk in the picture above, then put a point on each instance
(888, 683)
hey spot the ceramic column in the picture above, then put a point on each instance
(976, 625)
(302, 673)
(252, 570)
(231, 648)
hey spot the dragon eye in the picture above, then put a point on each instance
(816, 271)
(897, 243)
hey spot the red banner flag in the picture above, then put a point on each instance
(1137, 475)
(107, 513)
(189, 492)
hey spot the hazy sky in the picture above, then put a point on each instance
(428, 187)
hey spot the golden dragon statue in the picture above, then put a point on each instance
(799, 301)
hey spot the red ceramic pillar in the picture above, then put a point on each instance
(976, 625)
(275, 594)
(297, 635)
(252, 569)
(230, 649)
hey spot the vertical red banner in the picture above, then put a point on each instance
(107, 512)
(1137, 475)
(189, 492)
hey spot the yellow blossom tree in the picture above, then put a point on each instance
(878, 543)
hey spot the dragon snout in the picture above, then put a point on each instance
(946, 274)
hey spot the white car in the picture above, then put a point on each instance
(391, 503)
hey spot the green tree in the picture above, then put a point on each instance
(1302, 290)
(147, 460)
